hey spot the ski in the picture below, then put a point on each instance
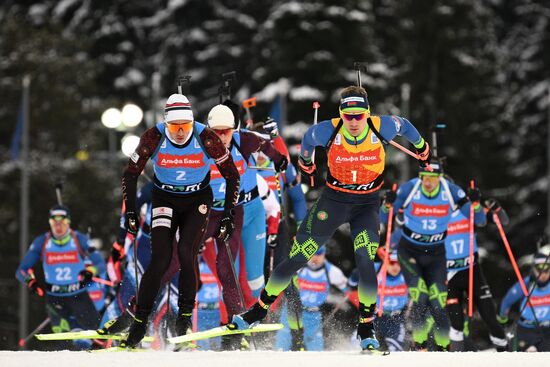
(375, 352)
(223, 330)
(85, 334)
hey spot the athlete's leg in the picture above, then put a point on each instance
(418, 291)
(83, 310)
(253, 237)
(313, 331)
(192, 225)
(456, 286)
(435, 273)
(486, 307)
(224, 266)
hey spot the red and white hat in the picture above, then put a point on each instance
(177, 108)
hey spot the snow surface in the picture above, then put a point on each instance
(268, 359)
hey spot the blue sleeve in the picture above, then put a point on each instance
(30, 259)
(317, 135)
(402, 193)
(480, 219)
(513, 295)
(296, 194)
(391, 125)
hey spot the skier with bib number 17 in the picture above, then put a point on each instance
(355, 157)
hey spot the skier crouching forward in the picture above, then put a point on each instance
(181, 151)
(355, 158)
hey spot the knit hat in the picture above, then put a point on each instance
(59, 210)
(354, 103)
(221, 116)
(177, 108)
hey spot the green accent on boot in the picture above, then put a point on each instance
(363, 240)
(307, 249)
(441, 296)
(415, 292)
(442, 340)
(466, 329)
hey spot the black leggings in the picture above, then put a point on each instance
(458, 296)
(170, 212)
(425, 271)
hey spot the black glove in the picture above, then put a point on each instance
(424, 154)
(281, 165)
(131, 223)
(271, 128)
(34, 287)
(308, 169)
(226, 226)
(272, 240)
(85, 277)
(474, 194)
(390, 196)
(117, 252)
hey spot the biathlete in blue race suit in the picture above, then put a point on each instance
(182, 151)
(355, 157)
(427, 203)
(63, 253)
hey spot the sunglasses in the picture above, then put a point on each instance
(59, 219)
(175, 128)
(353, 116)
(223, 131)
(542, 267)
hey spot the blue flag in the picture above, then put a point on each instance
(16, 137)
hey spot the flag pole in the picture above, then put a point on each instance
(24, 207)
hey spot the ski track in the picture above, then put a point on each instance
(267, 359)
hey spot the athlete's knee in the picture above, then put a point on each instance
(306, 249)
(438, 294)
(418, 290)
(363, 241)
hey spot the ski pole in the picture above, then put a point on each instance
(510, 254)
(386, 255)
(103, 281)
(316, 106)
(248, 104)
(406, 151)
(134, 245)
(22, 342)
(471, 260)
(58, 188)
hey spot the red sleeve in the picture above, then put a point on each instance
(281, 147)
(215, 149)
(136, 163)
(252, 143)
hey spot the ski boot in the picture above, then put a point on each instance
(297, 340)
(420, 347)
(365, 332)
(121, 323)
(137, 331)
(254, 315)
(442, 348)
(184, 324)
(457, 346)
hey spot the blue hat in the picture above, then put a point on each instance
(320, 251)
(59, 210)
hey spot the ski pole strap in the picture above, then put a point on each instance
(376, 132)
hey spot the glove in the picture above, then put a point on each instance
(272, 240)
(281, 165)
(114, 266)
(390, 196)
(424, 154)
(86, 275)
(33, 286)
(503, 320)
(226, 226)
(474, 194)
(271, 128)
(131, 223)
(117, 252)
(308, 169)
(492, 205)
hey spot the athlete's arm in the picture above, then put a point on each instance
(294, 189)
(252, 143)
(513, 295)
(316, 135)
(337, 278)
(402, 193)
(136, 163)
(391, 125)
(223, 160)
(30, 259)
(460, 198)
